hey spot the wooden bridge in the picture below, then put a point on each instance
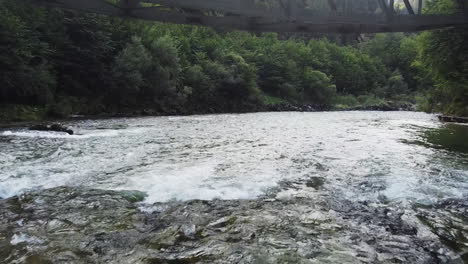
(324, 16)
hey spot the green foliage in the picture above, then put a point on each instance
(21, 113)
(128, 70)
(370, 100)
(423, 103)
(163, 72)
(397, 51)
(60, 109)
(240, 81)
(69, 62)
(445, 55)
(396, 85)
(345, 101)
(24, 76)
(272, 100)
(317, 87)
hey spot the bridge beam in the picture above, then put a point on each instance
(92, 6)
(244, 7)
(391, 6)
(328, 24)
(303, 21)
(332, 5)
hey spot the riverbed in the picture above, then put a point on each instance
(406, 162)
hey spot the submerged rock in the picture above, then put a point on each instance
(76, 225)
(53, 127)
(315, 182)
(133, 196)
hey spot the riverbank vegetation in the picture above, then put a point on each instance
(55, 63)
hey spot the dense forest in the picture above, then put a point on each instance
(54, 63)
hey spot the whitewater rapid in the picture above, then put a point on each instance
(362, 155)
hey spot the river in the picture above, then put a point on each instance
(406, 160)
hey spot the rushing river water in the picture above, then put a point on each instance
(404, 160)
(399, 156)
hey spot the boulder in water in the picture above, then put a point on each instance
(53, 127)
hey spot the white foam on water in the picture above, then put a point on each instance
(12, 186)
(5, 157)
(25, 238)
(36, 134)
(80, 135)
(232, 157)
(190, 118)
(197, 181)
(405, 187)
(52, 134)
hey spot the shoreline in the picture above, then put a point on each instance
(285, 107)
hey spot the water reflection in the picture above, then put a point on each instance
(451, 137)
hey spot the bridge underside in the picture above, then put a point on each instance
(323, 16)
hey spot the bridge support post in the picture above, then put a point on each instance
(420, 7)
(292, 9)
(349, 8)
(463, 5)
(386, 9)
(409, 7)
(332, 5)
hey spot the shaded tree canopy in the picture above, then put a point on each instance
(66, 62)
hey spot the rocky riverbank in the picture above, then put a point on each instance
(453, 119)
(25, 120)
(388, 106)
(75, 225)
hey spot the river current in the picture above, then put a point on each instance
(334, 187)
(402, 157)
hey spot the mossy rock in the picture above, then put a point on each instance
(315, 182)
(133, 196)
